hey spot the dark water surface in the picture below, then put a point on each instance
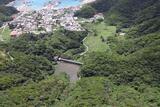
(71, 70)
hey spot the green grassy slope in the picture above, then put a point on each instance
(5, 34)
(3, 57)
(97, 39)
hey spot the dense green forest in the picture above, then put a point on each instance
(2, 2)
(6, 11)
(126, 74)
(138, 51)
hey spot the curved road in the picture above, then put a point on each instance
(86, 50)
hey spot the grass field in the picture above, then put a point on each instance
(3, 57)
(94, 40)
(5, 35)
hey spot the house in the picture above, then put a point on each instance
(14, 34)
(99, 16)
(122, 34)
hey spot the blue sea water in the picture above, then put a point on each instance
(67, 3)
(38, 4)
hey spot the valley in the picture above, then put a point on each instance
(97, 40)
(101, 54)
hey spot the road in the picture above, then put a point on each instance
(86, 47)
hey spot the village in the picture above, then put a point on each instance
(44, 21)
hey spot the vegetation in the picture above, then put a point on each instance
(99, 91)
(97, 38)
(86, 12)
(5, 13)
(30, 58)
(48, 45)
(118, 70)
(3, 57)
(2, 2)
(29, 66)
(5, 35)
(10, 80)
(43, 93)
(136, 69)
(134, 60)
(134, 57)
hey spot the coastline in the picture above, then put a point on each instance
(54, 4)
(87, 1)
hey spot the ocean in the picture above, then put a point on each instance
(39, 4)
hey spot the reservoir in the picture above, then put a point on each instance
(71, 70)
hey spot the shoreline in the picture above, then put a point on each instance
(54, 4)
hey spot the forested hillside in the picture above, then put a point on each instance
(134, 57)
(6, 11)
(2, 2)
(139, 19)
(138, 51)
(27, 67)
(121, 68)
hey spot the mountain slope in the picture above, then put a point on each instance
(134, 56)
(128, 75)
(6, 11)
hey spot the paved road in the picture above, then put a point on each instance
(86, 50)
